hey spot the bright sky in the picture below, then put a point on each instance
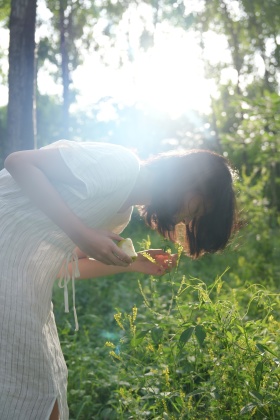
(169, 77)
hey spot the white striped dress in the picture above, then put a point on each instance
(33, 374)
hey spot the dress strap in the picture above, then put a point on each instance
(72, 259)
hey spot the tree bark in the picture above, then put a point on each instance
(20, 119)
(65, 69)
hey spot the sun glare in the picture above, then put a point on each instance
(169, 77)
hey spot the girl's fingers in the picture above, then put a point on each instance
(114, 236)
(121, 259)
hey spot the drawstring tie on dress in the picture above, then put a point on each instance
(64, 280)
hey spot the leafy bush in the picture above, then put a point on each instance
(198, 351)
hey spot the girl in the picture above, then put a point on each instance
(70, 201)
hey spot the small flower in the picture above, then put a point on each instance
(132, 326)
(150, 348)
(118, 317)
(115, 355)
(109, 344)
(166, 374)
(134, 313)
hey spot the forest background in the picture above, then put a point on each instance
(202, 341)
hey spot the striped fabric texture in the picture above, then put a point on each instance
(33, 373)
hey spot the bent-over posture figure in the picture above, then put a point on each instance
(69, 201)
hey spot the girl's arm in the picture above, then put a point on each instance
(34, 171)
(164, 262)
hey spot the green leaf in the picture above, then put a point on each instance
(263, 348)
(258, 375)
(200, 334)
(241, 329)
(156, 334)
(142, 334)
(229, 335)
(247, 409)
(256, 395)
(194, 393)
(185, 337)
(135, 341)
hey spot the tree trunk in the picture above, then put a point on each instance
(20, 124)
(65, 69)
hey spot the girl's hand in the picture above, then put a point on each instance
(100, 245)
(164, 262)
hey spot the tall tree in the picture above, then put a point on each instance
(64, 24)
(73, 22)
(20, 119)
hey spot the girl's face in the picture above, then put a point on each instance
(193, 206)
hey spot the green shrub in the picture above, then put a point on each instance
(194, 351)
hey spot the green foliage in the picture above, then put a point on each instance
(199, 354)
(248, 28)
(178, 346)
(5, 8)
(255, 145)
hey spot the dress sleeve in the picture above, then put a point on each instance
(100, 168)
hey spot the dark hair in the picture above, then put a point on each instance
(199, 172)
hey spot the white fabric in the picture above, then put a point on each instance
(33, 372)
